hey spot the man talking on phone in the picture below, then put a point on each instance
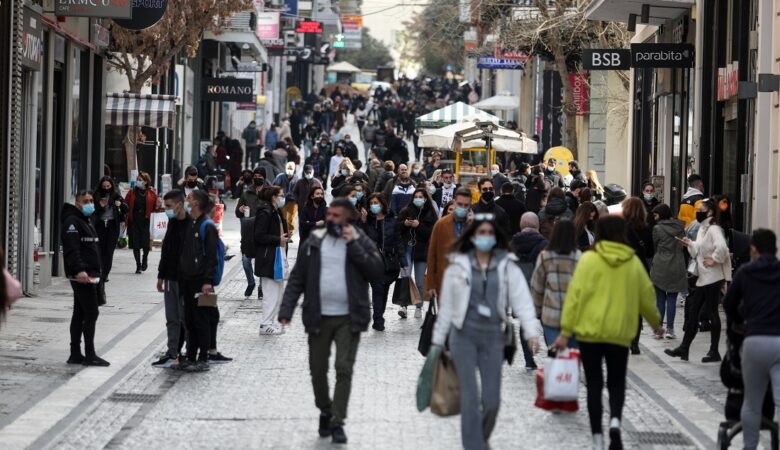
(197, 271)
(333, 272)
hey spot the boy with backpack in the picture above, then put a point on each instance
(200, 269)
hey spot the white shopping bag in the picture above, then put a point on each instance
(562, 376)
(158, 225)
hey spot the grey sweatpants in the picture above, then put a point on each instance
(760, 364)
(174, 316)
(483, 350)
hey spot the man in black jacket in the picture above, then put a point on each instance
(246, 207)
(82, 266)
(168, 275)
(514, 208)
(197, 271)
(335, 260)
(487, 204)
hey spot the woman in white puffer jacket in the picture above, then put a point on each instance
(713, 267)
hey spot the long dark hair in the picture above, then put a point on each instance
(612, 228)
(464, 245)
(563, 239)
(582, 217)
(310, 200)
(99, 189)
(427, 207)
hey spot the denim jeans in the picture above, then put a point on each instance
(667, 306)
(418, 273)
(552, 333)
(250, 274)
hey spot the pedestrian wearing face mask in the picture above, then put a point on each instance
(481, 283)
(650, 200)
(191, 181)
(416, 221)
(350, 149)
(552, 175)
(81, 256)
(246, 207)
(487, 204)
(287, 182)
(110, 212)
(445, 231)
(270, 232)
(141, 203)
(313, 213)
(417, 175)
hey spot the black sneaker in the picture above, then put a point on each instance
(338, 435)
(378, 327)
(144, 266)
(711, 357)
(218, 358)
(615, 441)
(182, 364)
(164, 362)
(200, 366)
(678, 352)
(402, 312)
(76, 359)
(95, 360)
(249, 290)
(324, 429)
(138, 269)
(635, 349)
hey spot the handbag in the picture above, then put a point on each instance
(550, 405)
(414, 293)
(562, 376)
(510, 341)
(390, 261)
(426, 335)
(425, 381)
(401, 293)
(207, 300)
(281, 267)
(445, 393)
(693, 268)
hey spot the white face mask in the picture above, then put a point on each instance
(290, 172)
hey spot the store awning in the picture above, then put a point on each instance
(500, 102)
(618, 10)
(247, 40)
(143, 110)
(343, 67)
(453, 113)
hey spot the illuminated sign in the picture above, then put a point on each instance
(306, 26)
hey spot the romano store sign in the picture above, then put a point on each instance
(228, 90)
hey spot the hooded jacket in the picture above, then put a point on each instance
(711, 243)
(556, 209)
(528, 244)
(456, 292)
(364, 265)
(668, 272)
(690, 202)
(79, 243)
(754, 297)
(250, 199)
(609, 290)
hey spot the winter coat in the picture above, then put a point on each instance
(456, 292)
(309, 218)
(608, 292)
(421, 235)
(555, 210)
(364, 265)
(754, 297)
(572, 203)
(80, 249)
(269, 225)
(555, 178)
(119, 213)
(198, 259)
(502, 218)
(668, 272)
(528, 244)
(248, 198)
(381, 182)
(442, 238)
(514, 209)
(270, 166)
(641, 240)
(690, 202)
(400, 195)
(549, 284)
(287, 183)
(172, 247)
(711, 243)
(151, 203)
(303, 188)
(535, 192)
(387, 236)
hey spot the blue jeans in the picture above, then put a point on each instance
(418, 273)
(666, 303)
(551, 334)
(250, 274)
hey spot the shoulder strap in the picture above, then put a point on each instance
(202, 230)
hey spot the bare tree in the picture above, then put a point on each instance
(145, 56)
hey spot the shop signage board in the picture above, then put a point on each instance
(351, 29)
(290, 8)
(146, 13)
(606, 59)
(491, 62)
(579, 86)
(309, 27)
(228, 90)
(510, 54)
(267, 25)
(662, 55)
(728, 81)
(32, 40)
(108, 9)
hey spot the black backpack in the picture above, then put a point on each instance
(526, 265)
(248, 236)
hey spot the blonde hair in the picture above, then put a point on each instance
(593, 177)
(346, 163)
(436, 173)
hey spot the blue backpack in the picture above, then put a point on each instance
(220, 250)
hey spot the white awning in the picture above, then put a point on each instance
(240, 37)
(501, 102)
(144, 110)
(618, 10)
(450, 114)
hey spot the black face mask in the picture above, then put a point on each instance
(701, 216)
(318, 200)
(107, 191)
(334, 230)
(488, 196)
(247, 179)
(258, 181)
(192, 183)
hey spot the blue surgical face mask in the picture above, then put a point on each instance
(461, 212)
(649, 197)
(281, 202)
(88, 209)
(376, 209)
(171, 213)
(345, 172)
(353, 200)
(359, 195)
(419, 202)
(484, 243)
(432, 189)
(187, 207)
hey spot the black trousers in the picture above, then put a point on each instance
(85, 314)
(108, 233)
(705, 298)
(196, 321)
(616, 358)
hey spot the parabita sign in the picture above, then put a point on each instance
(228, 90)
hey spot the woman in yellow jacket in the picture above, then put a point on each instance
(608, 292)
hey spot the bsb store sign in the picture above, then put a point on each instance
(640, 56)
(231, 90)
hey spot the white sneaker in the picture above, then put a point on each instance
(270, 330)
(417, 313)
(670, 334)
(681, 299)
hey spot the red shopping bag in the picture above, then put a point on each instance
(549, 405)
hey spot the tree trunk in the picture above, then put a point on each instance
(131, 138)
